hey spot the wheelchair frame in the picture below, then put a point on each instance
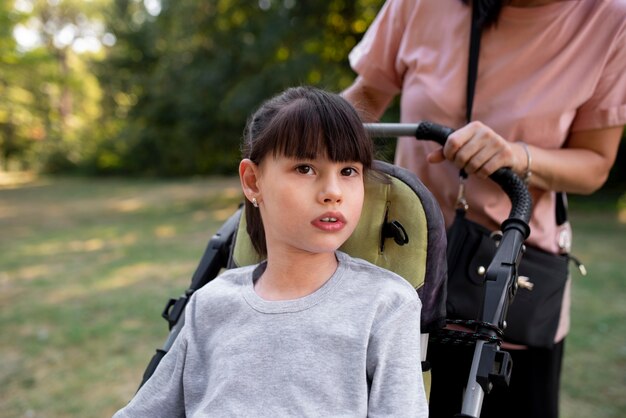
(490, 365)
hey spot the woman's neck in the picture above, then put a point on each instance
(294, 276)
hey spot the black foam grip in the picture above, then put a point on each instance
(433, 131)
(516, 190)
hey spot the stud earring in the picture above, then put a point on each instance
(255, 203)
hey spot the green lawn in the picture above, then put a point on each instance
(594, 377)
(87, 265)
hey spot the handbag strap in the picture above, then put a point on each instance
(561, 208)
(472, 73)
(472, 65)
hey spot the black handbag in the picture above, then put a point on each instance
(533, 316)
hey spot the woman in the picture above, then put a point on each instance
(550, 103)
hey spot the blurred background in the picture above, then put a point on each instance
(120, 123)
(154, 86)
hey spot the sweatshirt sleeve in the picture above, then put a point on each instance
(162, 395)
(394, 366)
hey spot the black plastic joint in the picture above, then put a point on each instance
(174, 309)
(515, 223)
(395, 230)
(503, 365)
(494, 368)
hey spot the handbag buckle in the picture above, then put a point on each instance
(525, 283)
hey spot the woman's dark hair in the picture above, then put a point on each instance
(488, 10)
(303, 123)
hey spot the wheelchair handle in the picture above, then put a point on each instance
(509, 182)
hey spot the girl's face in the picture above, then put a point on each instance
(309, 206)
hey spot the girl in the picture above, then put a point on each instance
(310, 331)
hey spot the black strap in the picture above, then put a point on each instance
(561, 208)
(472, 74)
(472, 66)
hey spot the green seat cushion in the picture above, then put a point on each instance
(385, 200)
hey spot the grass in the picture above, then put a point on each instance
(594, 376)
(85, 269)
(87, 265)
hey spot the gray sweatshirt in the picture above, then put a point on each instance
(350, 349)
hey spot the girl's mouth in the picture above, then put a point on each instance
(330, 222)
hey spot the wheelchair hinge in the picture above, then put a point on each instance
(173, 310)
(494, 368)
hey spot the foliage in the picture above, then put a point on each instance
(51, 97)
(199, 68)
(171, 83)
(163, 87)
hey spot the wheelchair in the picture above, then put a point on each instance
(401, 229)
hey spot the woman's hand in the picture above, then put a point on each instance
(479, 150)
(581, 166)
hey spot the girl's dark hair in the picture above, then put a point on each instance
(303, 123)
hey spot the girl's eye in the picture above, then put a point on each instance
(349, 171)
(304, 169)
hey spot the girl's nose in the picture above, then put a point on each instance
(331, 191)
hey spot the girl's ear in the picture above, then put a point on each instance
(249, 175)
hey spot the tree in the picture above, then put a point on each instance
(202, 67)
(12, 142)
(52, 99)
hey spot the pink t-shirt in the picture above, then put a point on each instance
(543, 72)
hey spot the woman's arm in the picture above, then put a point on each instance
(369, 101)
(582, 166)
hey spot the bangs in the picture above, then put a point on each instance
(312, 127)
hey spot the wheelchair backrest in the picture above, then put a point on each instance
(401, 229)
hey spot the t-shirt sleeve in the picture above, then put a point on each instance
(607, 105)
(374, 58)
(162, 395)
(394, 365)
